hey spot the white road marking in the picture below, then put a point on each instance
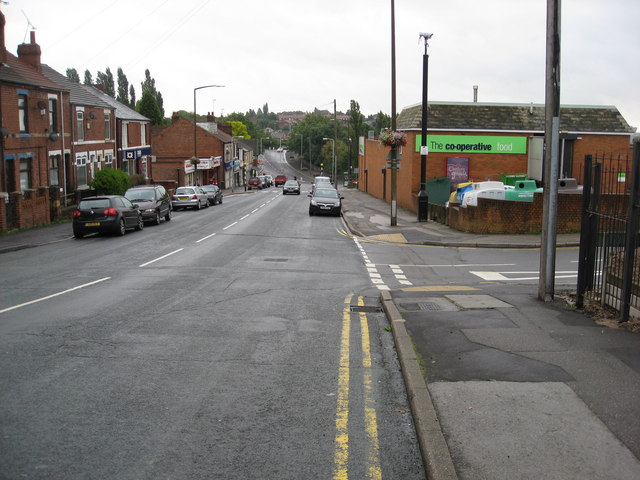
(163, 256)
(204, 238)
(229, 226)
(53, 295)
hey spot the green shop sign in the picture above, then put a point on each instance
(473, 144)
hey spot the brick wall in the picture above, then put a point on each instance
(504, 216)
(30, 208)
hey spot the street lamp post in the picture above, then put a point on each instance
(300, 152)
(333, 155)
(234, 151)
(423, 197)
(195, 119)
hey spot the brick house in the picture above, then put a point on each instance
(32, 139)
(216, 149)
(133, 137)
(481, 141)
(91, 144)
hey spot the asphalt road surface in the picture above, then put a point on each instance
(232, 342)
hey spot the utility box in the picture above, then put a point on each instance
(438, 190)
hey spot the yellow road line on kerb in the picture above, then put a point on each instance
(374, 472)
(341, 443)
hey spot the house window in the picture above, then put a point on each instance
(22, 113)
(53, 115)
(80, 125)
(108, 158)
(54, 169)
(81, 168)
(107, 126)
(25, 172)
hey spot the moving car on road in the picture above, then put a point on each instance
(325, 201)
(280, 180)
(291, 186)
(153, 201)
(214, 194)
(106, 214)
(189, 197)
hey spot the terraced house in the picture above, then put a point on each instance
(55, 135)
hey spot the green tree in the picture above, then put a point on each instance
(132, 96)
(123, 88)
(106, 79)
(150, 84)
(382, 121)
(72, 74)
(356, 128)
(148, 107)
(313, 129)
(110, 181)
(88, 78)
(239, 129)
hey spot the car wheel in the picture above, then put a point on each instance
(310, 213)
(167, 217)
(206, 204)
(220, 201)
(78, 234)
(156, 220)
(140, 225)
(197, 207)
(122, 228)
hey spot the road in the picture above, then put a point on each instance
(233, 342)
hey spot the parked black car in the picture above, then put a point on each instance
(325, 201)
(214, 194)
(153, 201)
(106, 214)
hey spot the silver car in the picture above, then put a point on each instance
(189, 197)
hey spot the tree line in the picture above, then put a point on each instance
(150, 104)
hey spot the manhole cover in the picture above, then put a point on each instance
(365, 308)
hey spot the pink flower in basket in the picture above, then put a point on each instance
(392, 139)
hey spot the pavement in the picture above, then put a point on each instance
(501, 384)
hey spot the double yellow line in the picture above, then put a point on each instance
(341, 455)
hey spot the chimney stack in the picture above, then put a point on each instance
(3, 47)
(30, 52)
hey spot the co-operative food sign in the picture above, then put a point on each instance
(473, 144)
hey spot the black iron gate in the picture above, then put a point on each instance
(608, 270)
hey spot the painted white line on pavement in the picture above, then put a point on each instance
(160, 258)
(53, 295)
(245, 216)
(204, 238)
(229, 226)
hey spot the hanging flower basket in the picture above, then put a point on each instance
(195, 161)
(390, 138)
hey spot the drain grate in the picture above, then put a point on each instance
(420, 306)
(365, 308)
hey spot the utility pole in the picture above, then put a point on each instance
(335, 139)
(546, 285)
(394, 152)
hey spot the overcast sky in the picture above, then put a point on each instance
(303, 54)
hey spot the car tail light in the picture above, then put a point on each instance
(195, 197)
(110, 211)
(76, 214)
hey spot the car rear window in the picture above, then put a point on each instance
(185, 191)
(95, 204)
